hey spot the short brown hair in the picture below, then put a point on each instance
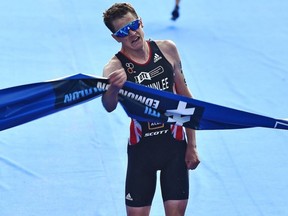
(116, 11)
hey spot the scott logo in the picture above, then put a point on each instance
(155, 133)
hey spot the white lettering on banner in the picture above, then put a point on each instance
(152, 112)
(150, 102)
(155, 133)
(103, 86)
(70, 97)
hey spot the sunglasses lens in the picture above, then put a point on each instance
(123, 32)
(134, 25)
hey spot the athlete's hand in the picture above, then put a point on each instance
(191, 157)
(117, 79)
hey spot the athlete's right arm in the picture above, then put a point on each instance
(117, 77)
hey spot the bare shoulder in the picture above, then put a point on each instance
(166, 46)
(169, 50)
(112, 65)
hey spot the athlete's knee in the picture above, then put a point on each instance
(175, 207)
(138, 211)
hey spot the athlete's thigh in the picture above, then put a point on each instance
(140, 180)
(174, 177)
(140, 188)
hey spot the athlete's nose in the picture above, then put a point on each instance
(131, 32)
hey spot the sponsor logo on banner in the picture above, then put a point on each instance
(181, 114)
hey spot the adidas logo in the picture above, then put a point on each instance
(128, 197)
(157, 57)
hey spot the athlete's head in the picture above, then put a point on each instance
(117, 11)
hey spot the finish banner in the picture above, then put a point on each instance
(21, 104)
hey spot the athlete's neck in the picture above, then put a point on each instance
(140, 56)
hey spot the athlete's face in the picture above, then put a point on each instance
(135, 37)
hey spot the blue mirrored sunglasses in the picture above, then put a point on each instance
(124, 31)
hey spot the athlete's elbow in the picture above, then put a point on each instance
(109, 107)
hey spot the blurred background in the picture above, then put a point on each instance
(73, 163)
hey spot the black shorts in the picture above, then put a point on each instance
(145, 158)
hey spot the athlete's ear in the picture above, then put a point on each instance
(141, 23)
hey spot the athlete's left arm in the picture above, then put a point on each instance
(181, 88)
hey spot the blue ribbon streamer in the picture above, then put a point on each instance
(22, 104)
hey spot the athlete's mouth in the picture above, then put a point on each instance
(136, 39)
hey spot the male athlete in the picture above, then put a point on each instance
(152, 147)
